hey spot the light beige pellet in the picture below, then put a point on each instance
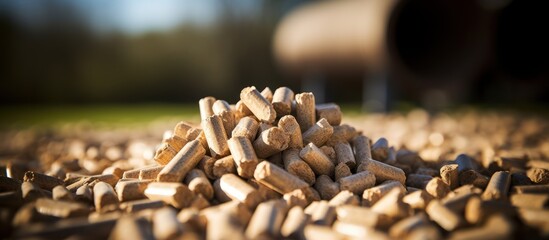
(271, 141)
(498, 187)
(181, 129)
(478, 210)
(312, 231)
(290, 126)
(242, 110)
(344, 198)
(316, 159)
(526, 200)
(258, 105)
(444, 216)
(130, 227)
(61, 193)
(305, 110)
(294, 223)
(418, 199)
(406, 226)
(437, 188)
(237, 189)
(296, 198)
(323, 214)
(61, 209)
(358, 182)
(176, 194)
(215, 136)
(192, 217)
(449, 174)
(532, 189)
(264, 191)
(176, 142)
(205, 106)
(199, 202)
(496, 227)
(246, 127)
(244, 156)
(344, 154)
(392, 205)
(277, 178)
(282, 101)
(458, 201)
(382, 171)
(267, 93)
(235, 208)
(319, 133)
(223, 166)
(114, 171)
(220, 195)
(84, 194)
(326, 187)
(198, 183)
(296, 166)
(182, 163)
(362, 216)
(224, 225)
(330, 111)
(372, 195)
(42, 180)
(538, 175)
(165, 224)
(150, 172)
(357, 231)
(342, 170)
(222, 109)
(267, 220)
(131, 190)
(105, 198)
(164, 154)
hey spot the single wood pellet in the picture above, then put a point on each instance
(278, 165)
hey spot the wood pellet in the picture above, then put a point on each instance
(278, 165)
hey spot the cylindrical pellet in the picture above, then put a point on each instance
(175, 194)
(382, 171)
(267, 220)
(165, 224)
(282, 101)
(312, 231)
(61, 193)
(114, 171)
(267, 94)
(264, 191)
(31, 192)
(305, 110)
(150, 172)
(198, 183)
(224, 111)
(131, 190)
(246, 127)
(319, 162)
(536, 201)
(164, 154)
(225, 227)
(498, 187)
(294, 223)
(344, 198)
(362, 216)
(326, 187)
(129, 227)
(330, 111)
(418, 199)
(277, 178)
(42, 180)
(205, 107)
(296, 166)
(290, 126)
(449, 174)
(465, 163)
(215, 136)
(342, 133)
(84, 194)
(61, 209)
(104, 197)
(361, 145)
(139, 205)
(323, 213)
(477, 210)
(380, 150)
(344, 154)
(444, 216)
(473, 177)
(330, 153)
(244, 156)
(392, 205)
(532, 189)
(223, 166)
(236, 208)
(319, 133)
(418, 180)
(270, 141)
(258, 105)
(182, 163)
(206, 164)
(372, 195)
(404, 227)
(458, 201)
(437, 188)
(181, 129)
(358, 182)
(342, 170)
(176, 142)
(496, 227)
(237, 189)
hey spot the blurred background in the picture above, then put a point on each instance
(59, 56)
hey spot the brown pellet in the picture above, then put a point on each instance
(258, 105)
(225, 226)
(342, 170)
(526, 200)
(371, 195)
(61, 193)
(246, 127)
(235, 208)
(344, 154)
(316, 159)
(392, 205)
(305, 110)
(176, 194)
(498, 187)
(538, 175)
(270, 141)
(358, 182)
(330, 153)
(222, 109)
(449, 174)
(344, 198)
(418, 180)
(319, 133)
(116, 171)
(131, 190)
(164, 154)
(176, 142)
(296, 166)
(223, 166)
(437, 188)
(277, 178)
(380, 150)
(198, 183)
(244, 156)
(206, 164)
(478, 210)
(182, 163)
(405, 227)
(267, 220)
(31, 192)
(42, 180)
(139, 205)
(150, 172)
(290, 126)
(205, 106)
(84, 194)
(282, 101)
(237, 189)
(215, 136)
(312, 231)
(329, 111)
(457, 202)
(61, 209)
(181, 129)
(105, 198)
(342, 133)
(361, 216)
(444, 216)
(382, 171)
(473, 177)
(496, 227)
(532, 189)
(326, 187)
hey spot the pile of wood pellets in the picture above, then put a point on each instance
(277, 165)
